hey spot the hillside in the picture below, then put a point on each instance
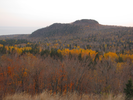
(59, 29)
(87, 34)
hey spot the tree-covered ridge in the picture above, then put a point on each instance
(59, 29)
(12, 42)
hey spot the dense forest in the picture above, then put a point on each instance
(33, 70)
(98, 62)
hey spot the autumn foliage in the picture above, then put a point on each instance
(33, 70)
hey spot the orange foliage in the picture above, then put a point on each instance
(34, 74)
(84, 53)
(111, 55)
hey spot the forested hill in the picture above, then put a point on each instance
(58, 29)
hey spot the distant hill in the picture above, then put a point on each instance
(86, 22)
(58, 29)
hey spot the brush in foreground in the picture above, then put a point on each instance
(69, 96)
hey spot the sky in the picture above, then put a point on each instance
(42, 13)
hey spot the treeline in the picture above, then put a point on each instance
(55, 53)
(28, 48)
(12, 42)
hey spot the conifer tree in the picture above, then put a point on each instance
(129, 90)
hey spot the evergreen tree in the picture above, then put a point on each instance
(129, 90)
(80, 56)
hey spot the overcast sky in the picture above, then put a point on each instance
(41, 13)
